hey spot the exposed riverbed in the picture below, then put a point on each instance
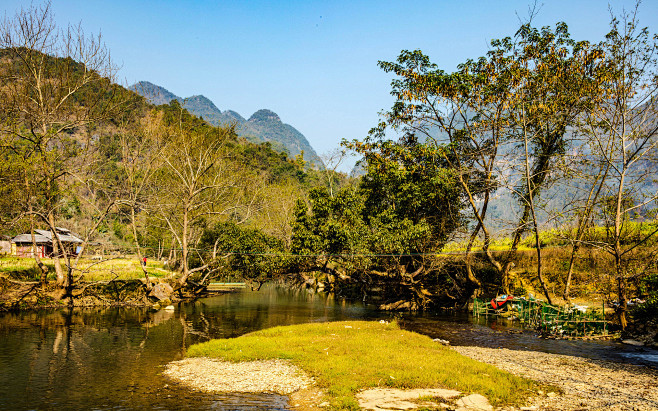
(114, 358)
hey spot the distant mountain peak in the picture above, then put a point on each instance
(263, 125)
(202, 100)
(155, 94)
(233, 115)
(143, 83)
(264, 115)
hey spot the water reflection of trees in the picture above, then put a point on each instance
(235, 314)
(109, 357)
(72, 356)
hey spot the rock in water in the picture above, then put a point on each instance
(162, 291)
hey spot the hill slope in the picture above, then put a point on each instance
(263, 125)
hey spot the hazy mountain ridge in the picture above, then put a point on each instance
(154, 94)
(263, 125)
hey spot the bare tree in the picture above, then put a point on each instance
(197, 181)
(332, 160)
(53, 83)
(624, 137)
(141, 145)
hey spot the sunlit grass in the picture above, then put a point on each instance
(26, 269)
(503, 244)
(345, 357)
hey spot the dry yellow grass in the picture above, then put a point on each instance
(26, 269)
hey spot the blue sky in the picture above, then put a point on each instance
(312, 62)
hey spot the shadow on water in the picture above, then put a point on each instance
(113, 358)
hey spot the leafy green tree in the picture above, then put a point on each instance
(515, 103)
(233, 251)
(382, 233)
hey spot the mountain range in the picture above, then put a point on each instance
(263, 126)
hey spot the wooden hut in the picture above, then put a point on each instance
(22, 245)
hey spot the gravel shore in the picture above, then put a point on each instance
(586, 384)
(212, 375)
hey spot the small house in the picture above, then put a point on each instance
(22, 245)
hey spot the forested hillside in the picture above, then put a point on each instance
(81, 152)
(262, 126)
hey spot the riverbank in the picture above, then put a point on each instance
(117, 281)
(346, 358)
(586, 384)
(393, 369)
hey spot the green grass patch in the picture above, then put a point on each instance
(345, 357)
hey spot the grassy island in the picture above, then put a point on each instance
(345, 357)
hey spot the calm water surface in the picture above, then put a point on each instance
(113, 358)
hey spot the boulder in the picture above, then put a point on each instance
(474, 402)
(162, 291)
(380, 399)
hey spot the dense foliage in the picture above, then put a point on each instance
(381, 233)
(241, 253)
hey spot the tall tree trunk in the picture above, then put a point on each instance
(469, 259)
(487, 236)
(185, 271)
(567, 286)
(506, 267)
(139, 250)
(43, 278)
(531, 202)
(622, 307)
(619, 263)
(62, 279)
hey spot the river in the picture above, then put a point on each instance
(112, 358)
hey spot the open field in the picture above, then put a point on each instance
(120, 268)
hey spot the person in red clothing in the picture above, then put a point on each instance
(144, 261)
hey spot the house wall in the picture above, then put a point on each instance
(44, 250)
(27, 250)
(5, 247)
